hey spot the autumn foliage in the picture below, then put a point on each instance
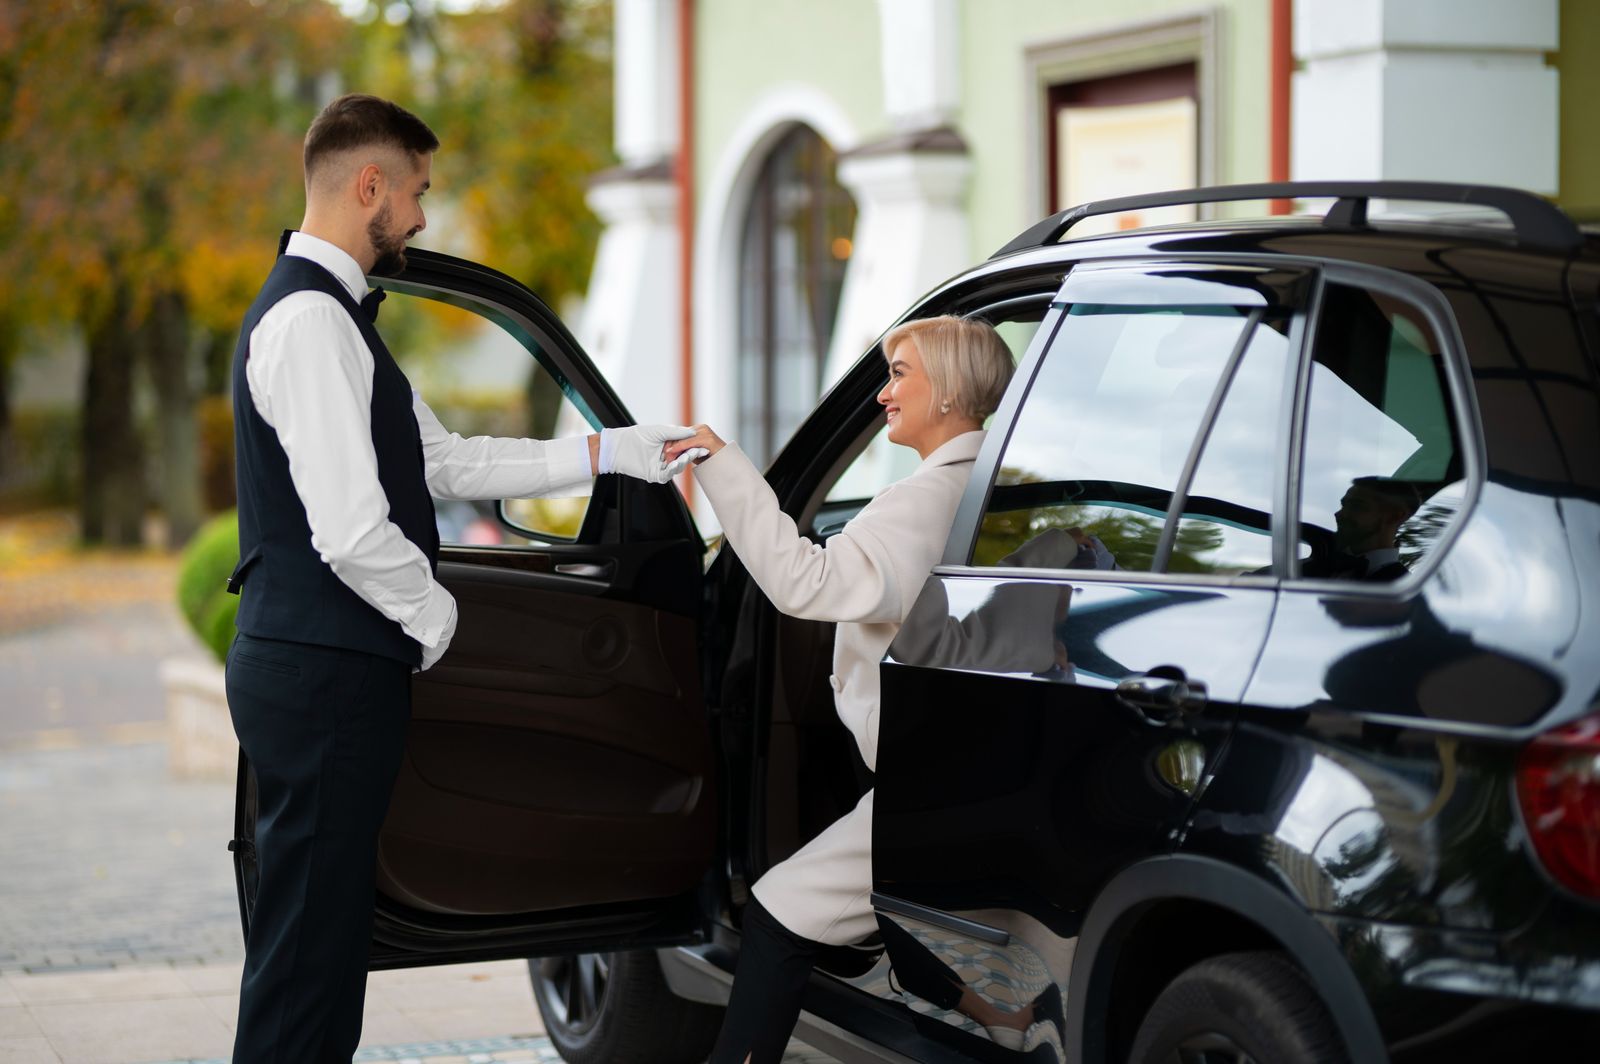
(150, 156)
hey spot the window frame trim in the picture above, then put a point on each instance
(511, 306)
(1197, 446)
(1425, 298)
(1428, 301)
(963, 539)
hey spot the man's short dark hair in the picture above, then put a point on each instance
(357, 120)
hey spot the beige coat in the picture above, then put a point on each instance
(866, 579)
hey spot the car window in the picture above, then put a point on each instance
(1104, 435)
(481, 380)
(1382, 467)
(1226, 525)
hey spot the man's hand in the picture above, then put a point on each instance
(638, 452)
(431, 655)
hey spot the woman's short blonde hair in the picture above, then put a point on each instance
(967, 363)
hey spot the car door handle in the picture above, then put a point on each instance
(1163, 695)
(590, 570)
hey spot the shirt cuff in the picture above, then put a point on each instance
(568, 460)
(608, 451)
(435, 619)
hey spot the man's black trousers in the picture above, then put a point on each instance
(325, 730)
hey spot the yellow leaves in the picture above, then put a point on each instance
(131, 140)
(158, 141)
(221, 279)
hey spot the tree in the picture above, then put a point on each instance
(521, 98)
(149, 157)
(140, 158)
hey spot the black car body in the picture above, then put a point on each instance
(1383, 784)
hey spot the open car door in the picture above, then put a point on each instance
(556, 795)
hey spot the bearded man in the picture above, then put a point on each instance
(338, 464)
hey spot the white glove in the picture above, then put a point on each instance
(636, 451)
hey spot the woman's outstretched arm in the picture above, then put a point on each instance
(852, 578)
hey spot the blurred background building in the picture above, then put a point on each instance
(729, 199)
(844, 156)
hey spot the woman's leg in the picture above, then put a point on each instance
(921, 973)
(822, 895)
(768, 987)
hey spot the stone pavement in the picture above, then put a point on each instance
(106, 861)
(458, 1014)
(186, 1012)
(119, 926)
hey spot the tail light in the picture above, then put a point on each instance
(1558, 785)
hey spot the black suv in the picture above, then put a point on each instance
(1312, 774)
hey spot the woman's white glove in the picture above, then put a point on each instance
(636, 451)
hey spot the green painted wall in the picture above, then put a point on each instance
(746, 48)
(995, 118)
(1579, 64)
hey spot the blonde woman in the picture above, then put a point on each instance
(946, 375)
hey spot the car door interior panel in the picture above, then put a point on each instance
(545, 692)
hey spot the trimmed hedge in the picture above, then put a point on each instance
(203, 596)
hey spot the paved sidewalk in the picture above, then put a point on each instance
(187, 1012)
(119, 925)
(458, 1014)
(107, 861)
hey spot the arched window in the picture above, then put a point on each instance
(792, 261)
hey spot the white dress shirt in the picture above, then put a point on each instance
(310, 378)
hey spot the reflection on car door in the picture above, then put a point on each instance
(556, 791)
(1046, 722)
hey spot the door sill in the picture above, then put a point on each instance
(697, 973)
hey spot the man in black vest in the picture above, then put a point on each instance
(338, 464)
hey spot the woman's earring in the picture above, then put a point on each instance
(944, 407)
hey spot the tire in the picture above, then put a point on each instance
(601, 1008)
(1239, 1008)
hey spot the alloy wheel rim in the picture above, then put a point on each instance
(574, 988)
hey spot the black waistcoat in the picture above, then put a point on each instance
(288, 591)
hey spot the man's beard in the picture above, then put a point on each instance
(390, 246)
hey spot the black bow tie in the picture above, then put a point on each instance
(370, 303)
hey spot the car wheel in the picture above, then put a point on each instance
(1239, 1008)
(604, 1007)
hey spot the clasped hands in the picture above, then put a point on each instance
(655, 453)
(640, 451)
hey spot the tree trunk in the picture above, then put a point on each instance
(112, 505)
(7, 359)
(217, 357)
(165, 331)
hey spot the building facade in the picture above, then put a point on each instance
(844, 156)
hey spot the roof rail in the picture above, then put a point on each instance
(1537, 222)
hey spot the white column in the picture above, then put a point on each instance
(645, 77)
(1445, 90)
(921, 61)
(629, 324)
(911, 233)
(910, 188)
(630, 318)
